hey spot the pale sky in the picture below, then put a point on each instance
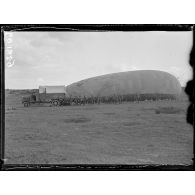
(61, 58)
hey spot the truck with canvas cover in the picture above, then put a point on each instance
(54, 95)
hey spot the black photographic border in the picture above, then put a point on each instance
(87, 28)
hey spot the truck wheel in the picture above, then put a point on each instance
(26, 104)
(51, 103)
(61, 102)
(55, 103)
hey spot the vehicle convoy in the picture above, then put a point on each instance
(53, 95)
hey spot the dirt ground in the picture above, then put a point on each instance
(129, 133)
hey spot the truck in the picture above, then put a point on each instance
(53, 95)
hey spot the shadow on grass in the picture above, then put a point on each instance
(129, 124)
(90, 108)
(77, 120)
(109, 113)
(168, 110)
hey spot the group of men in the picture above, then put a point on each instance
(115, 99)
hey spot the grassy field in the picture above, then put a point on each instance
(128, 133)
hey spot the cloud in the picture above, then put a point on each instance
(61, 36)
(40, 80)
(126, 67)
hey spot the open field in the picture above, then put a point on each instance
(129, 133)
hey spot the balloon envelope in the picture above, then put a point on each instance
(122, 83)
